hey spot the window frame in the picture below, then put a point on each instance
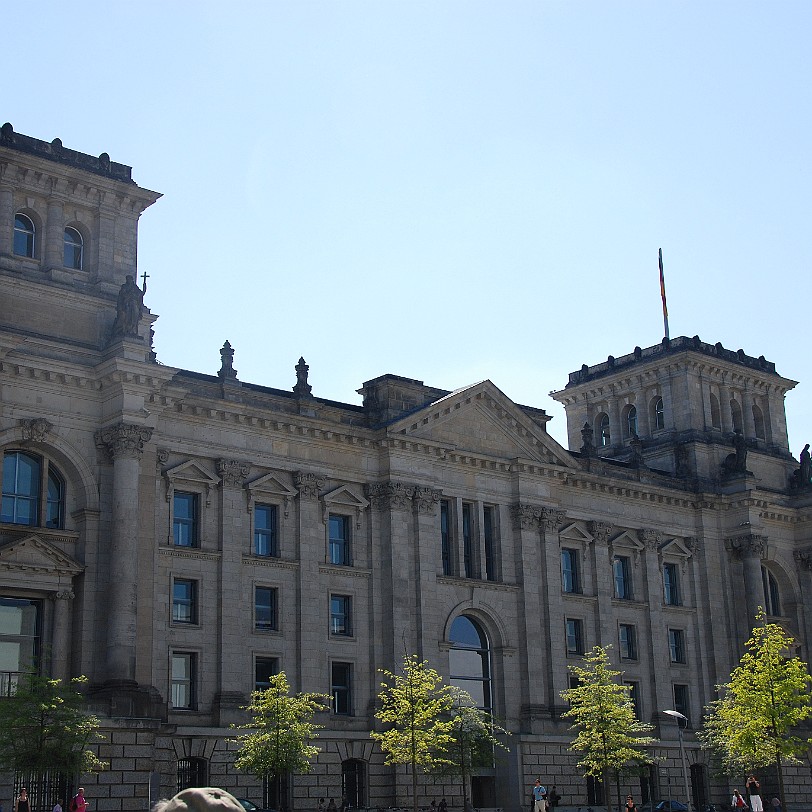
(631, 422)
(77, 262)
(672, 588)
(574, 636)
(261, 625)
(682, 705)
(43, 503)
(571, 585)
(29, 235)
(623, 578)
(191, 602)
(657, 413)
(489, 536)
(468, 539)
(270, 660)
(634, 695)
(338, 629)
(341, 692)
(627, 641)
(772, 592)
(446, 537)
(270, 534)
(193, 522)
(192, 658)
(604, 430)
(340, 548)
(677, 648)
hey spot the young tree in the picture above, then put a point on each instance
(752, 724)
(473, 741)
(45, 729)
(416, 706)
(281, 729)
(609, 734)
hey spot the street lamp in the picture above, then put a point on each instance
(680, 717)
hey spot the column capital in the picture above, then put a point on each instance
(426, 499)
(308, 484)
(124, 440)
(64, 595)
(525, 516)
(552, 519)
(651, 538)
(803, 558)
(232, 472)
(392, 495)
(748, 545)
(601, 530)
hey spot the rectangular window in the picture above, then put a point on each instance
(570, 571)
(681, 700)
(634, 695)
(264, 669)
(575, 636)
(445, 536)
(623, 577)
(265, 609)
(340, 540)
(341, 688)
(184, 601)
(489, 531)
(265, 530)
(184, 673)
(628, 642)
(671, 584)
(467, 538)
(340, 617)
(676, 645)
(185, 519)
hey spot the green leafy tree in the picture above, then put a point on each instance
(754, 722)
(609, 736)
(281, 730)
(416, 707)
(474, 741)
(44, 728)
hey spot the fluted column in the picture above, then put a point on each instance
(60, 640)
(125, 444)
(750, 549)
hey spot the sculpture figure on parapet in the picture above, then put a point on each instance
(129, 307)
(800, 479)
(736, 463)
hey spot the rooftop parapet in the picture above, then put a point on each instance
(54, 151)
(666, 347)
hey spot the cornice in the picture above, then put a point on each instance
(352, 572)
(476, 583)
(271, 563)
(185, 552)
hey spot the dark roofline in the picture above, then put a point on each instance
(666, 347)
(69, 157)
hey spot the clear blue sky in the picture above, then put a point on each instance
(447, 191)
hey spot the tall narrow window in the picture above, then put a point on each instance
(341, 679)
(353, 784)
(758, 423)
(489, 531)
(676, 645)
(570, 571)
(445, 536)
(467, 539)
(623, 577)
(265, 530)
(736, 415)
(772, 597)
(265, 609)
(340, 540)
(671, 584)
(604, 435)
(192, 772)
(74, 249)
(24, 236)
(575, 636)
(634, 694)
(631, 421)
(657, 414)
(55, 500)
(469, 660)
(264, 669)
(184, 667)
(184, 601)
(21, 488)
(681, 702)
(340, 615)
(716, 414)
(20, 622)
(628, 641)
(184, 519)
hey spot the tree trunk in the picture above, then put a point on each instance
(607, 795)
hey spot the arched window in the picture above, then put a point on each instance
(470, 660)
(758, 423)
(24, 236)
(353, 783)
(736, 415)
(192, 772)
(716, 414)
(630, 421)
(25, 479)
(772, 596)
(604, 436)
(657, 418)
(74, 249)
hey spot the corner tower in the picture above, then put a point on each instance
(686, 402)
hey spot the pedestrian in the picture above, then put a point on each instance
(22, 804)
(630, 805)
(320, 805)
(78, 802)
(553, 798)
(331, 805)
(539, 797)
(776, 803)
(443, 807)
(754, 791)
(57, 806)
(737, 802)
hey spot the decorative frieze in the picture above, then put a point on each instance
(124, 440)
(650, 538)
(35, 428)
(525, 516)
(232, 472)
(552, 519)
(803, 558)
(390, 495)
(426, 499)
(601, 531)
(308, 485)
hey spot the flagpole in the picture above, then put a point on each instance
(662, 293)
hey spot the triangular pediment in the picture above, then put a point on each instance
(575, 533)
(676, 548)
(346, 497)
(192, 471)
(33, 554)
(628, 540)
(271, 484)
(481, 419)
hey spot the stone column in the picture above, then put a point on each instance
(748, 424)
(615, 432)
(53, 252)
(724, 408)
(750, 549)
(60, 639)
(604, 581)
(125, 444)
(803, 558)
(556, 660)
(657, 633)
(310, 663)
(427, 544)
(6, 219)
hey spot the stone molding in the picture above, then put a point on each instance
(308, 485)
(64, 595)
(748, 545)
(391, 495)
(650, 538)
(232, 472)
(124, 440)
(601, 531)
(526, 516)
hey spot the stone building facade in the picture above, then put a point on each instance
(179, 536)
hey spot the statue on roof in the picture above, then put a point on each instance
(129, 307)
